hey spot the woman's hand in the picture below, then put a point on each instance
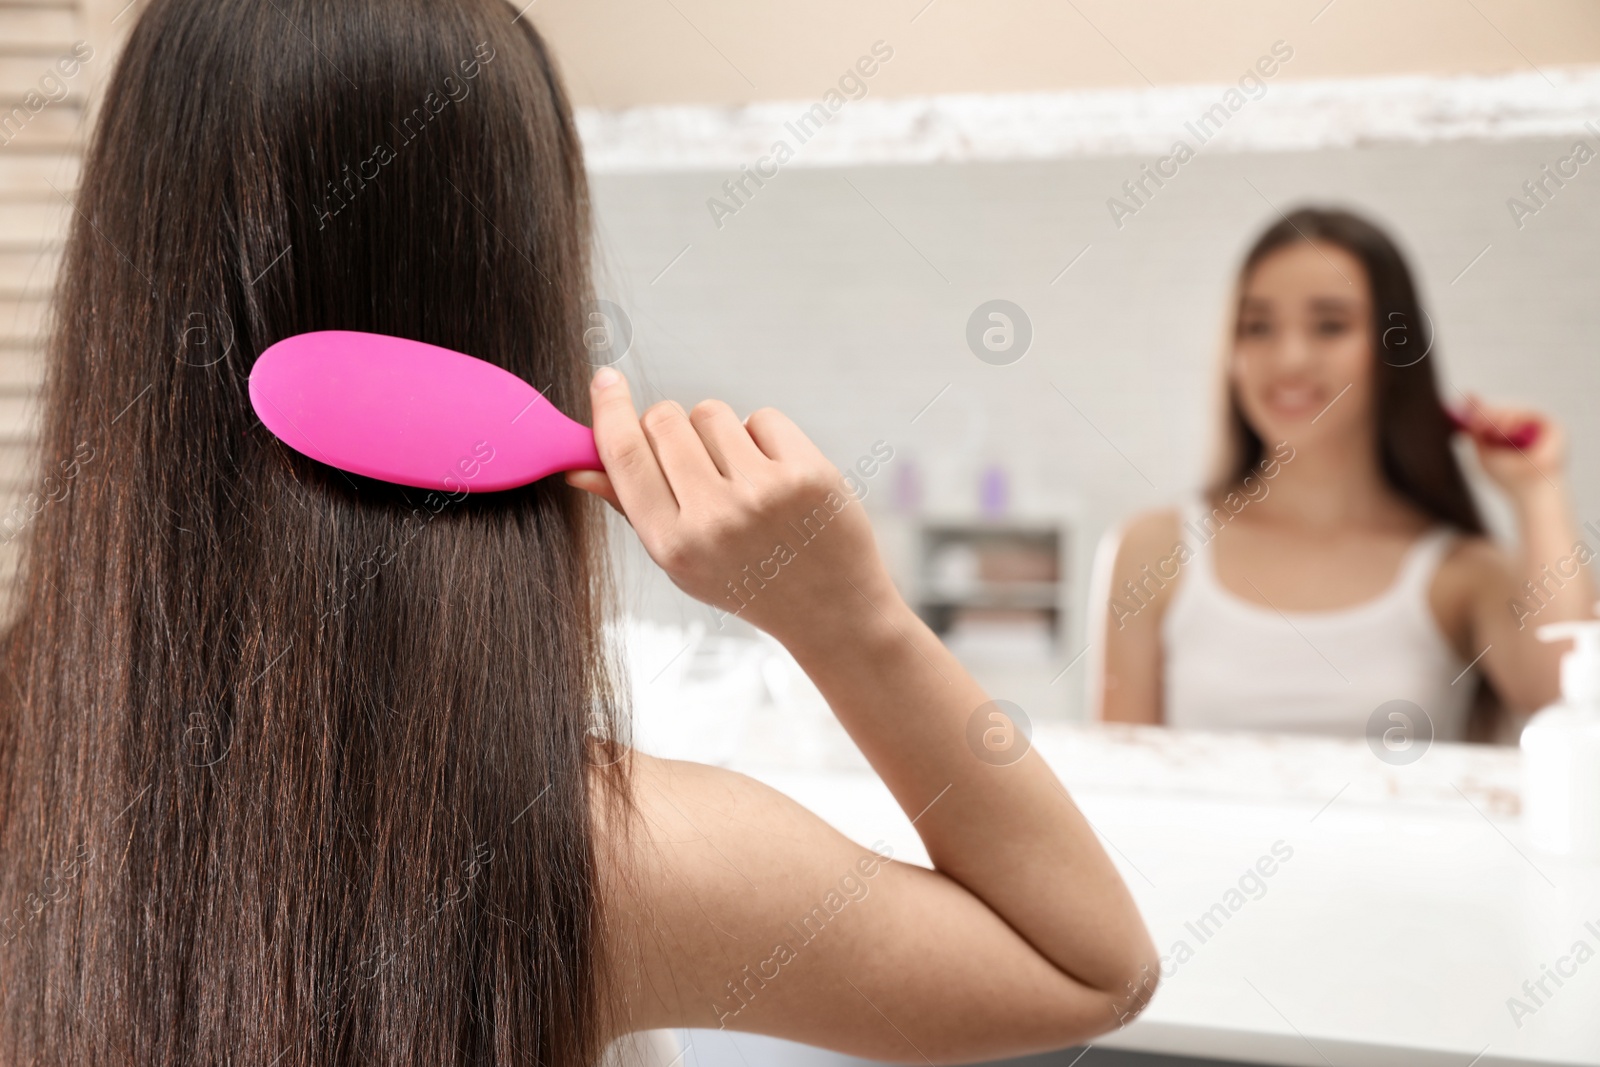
(750, 518)
(1530, 467)
(1497, 433)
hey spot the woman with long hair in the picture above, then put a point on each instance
(298, 767)
(1335, 575)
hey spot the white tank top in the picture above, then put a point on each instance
(1234, 664)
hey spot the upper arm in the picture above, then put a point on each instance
(1128, 623)
(1477, 602)
(729, 905)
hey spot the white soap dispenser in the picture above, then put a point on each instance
(1561, 752)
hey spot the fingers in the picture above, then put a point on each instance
(726, 439)
(779, 438)
(682, 455)
(635, 477)
(1502, 425)
(599, 484)
(657, 463)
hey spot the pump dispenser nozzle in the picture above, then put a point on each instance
(1580, 668)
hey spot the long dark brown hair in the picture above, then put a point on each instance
(293, 764)
(1413, 431)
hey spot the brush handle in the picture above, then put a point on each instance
(542, 441)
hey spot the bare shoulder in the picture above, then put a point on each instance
(1147, 532)
(1146, 567)
(1473, 564)
(1476, 554)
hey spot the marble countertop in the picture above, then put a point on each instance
(745, 702)
(1411, 923)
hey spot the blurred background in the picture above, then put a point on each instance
(814, 206)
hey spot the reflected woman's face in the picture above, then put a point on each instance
(1302, 357)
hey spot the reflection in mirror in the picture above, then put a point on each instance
(1335, 575)
(1027, 315)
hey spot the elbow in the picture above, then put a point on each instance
(1087, 1020)
(1133, 987)
(1136, 990)
(1067, 1013)
(1110, 1004)
(1540, 693)
(1523, 696)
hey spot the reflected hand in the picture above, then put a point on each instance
(1498, 432)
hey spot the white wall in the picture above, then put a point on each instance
(842, 295)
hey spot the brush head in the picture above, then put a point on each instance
(412, 413)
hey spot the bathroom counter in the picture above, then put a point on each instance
(1402, 914)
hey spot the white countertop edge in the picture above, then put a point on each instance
(1295, 1050)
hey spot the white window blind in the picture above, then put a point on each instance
(46, 86)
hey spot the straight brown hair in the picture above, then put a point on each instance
(1413, 430)
(1412, 427)
(294, 764)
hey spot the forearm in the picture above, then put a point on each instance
(1008, 833)
(1549, 583)
(1550, 573)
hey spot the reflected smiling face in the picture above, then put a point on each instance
(1305, 335)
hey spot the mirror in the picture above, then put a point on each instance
(1007, 314)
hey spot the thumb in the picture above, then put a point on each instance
(595, 482)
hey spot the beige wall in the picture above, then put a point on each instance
(622, 53)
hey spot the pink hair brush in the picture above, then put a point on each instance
(413, 413)
(1517, 437)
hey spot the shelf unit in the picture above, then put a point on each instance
(998, 593)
